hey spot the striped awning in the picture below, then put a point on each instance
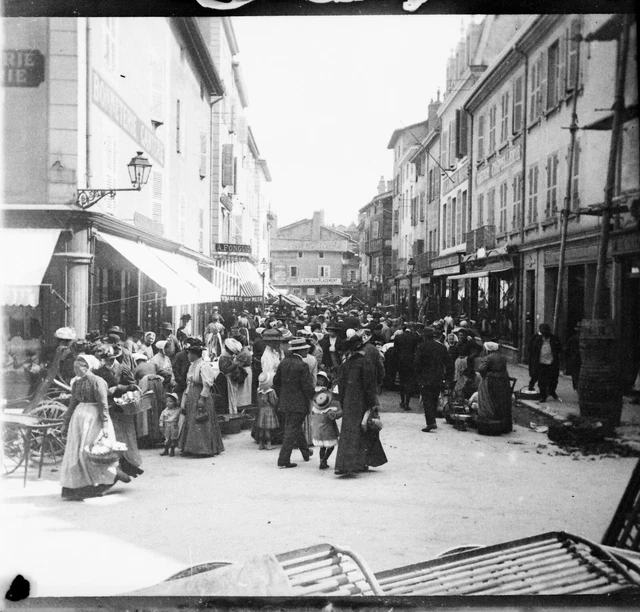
(237, 278)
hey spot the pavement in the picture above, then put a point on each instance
(529, 412)
(439, 490)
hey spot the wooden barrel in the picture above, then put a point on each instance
(599, 387)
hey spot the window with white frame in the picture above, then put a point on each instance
(293, 271)
(518, 104)
(324, 271)
(552, 185)
(504, 117)
(532, 213)
(503, 207)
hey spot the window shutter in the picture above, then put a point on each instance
(542, 97)
(572, 56)
(157, 91)
(201, 230)
(481, 210)
(481, 137)
(562, 64)
(203, 154)
(533, 96)
(227, 165)
(462, 123)
(517, 105)
(444, 159)
(156, 195)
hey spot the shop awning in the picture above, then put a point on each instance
(481, 273)
(204, 291)
(237, 278)
(30, 250)
(148, 261)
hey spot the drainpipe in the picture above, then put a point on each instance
(523, 203)
(567, 198)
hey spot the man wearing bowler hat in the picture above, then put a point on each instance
(172, 346)
(294, 386)
(432, 366)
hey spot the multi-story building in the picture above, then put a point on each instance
(309, 258)
(374, 228)
(477, 48)
(91, 100)
(523, 176)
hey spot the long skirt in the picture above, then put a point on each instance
(125, 428)
(147, 423)
(494, 401)
(239, 394)
(204, 439)
(79, 476)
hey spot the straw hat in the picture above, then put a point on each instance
(298, 344)
(323, 398)
(232, 345)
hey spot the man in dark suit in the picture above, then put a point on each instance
(432, 366)
(332, 348)
(544, 361)
(294, 386)
(405, 347)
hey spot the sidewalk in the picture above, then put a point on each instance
(529, 411)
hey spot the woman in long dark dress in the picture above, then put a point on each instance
(494, 392)
(86, 417)
(200, 434)
(357, 450)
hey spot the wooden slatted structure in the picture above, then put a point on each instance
(554, 563)
(624, 530)
(325, 569)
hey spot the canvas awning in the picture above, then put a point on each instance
(31, 250)
(187, 269)
(151, 262)
(481, 273)
(237, 278)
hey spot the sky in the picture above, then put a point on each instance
(326, 93)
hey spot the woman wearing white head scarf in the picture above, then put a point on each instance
(494, 392)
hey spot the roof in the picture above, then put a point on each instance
(398, 132)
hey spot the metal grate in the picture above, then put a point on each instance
(624, 530)
(554, 563)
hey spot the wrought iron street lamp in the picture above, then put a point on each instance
(410, 267)
(139, 169)
(263, 272)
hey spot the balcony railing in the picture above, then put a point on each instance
(423, 262)
(484, 236)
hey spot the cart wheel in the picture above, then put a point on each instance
(48, 409)
(12, 450)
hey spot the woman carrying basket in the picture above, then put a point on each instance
(86, 420)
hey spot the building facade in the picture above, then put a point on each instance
(557, 64)
(374, 226)
(81, 103)
(310, 259)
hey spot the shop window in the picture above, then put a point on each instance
(532, 216)
(552, 185)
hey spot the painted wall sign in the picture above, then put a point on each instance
(325, 280)
(110, 103)
(508, 158)
(233, 248)
(23, 68)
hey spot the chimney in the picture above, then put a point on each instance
(317, 223)
(382, 186)
(389, 185)
(432, 115)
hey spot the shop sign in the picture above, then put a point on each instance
(110, 103)
(232, 248)
(325, 280)
(574, 255)
(23, 68)
(446, 271)
(502, 162)
(629, 243)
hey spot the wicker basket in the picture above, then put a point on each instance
(525, 394)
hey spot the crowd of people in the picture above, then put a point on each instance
(301, 372)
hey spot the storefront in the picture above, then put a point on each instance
(441, 300)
